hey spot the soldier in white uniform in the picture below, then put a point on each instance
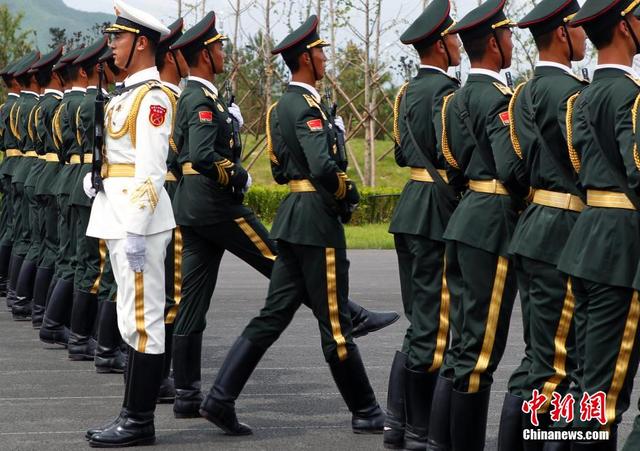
(133, 214)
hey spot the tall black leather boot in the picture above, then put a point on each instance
(5, 260)
(109, 357)
(134, 426)
(21, 308)
(14, 271)
(525, 423)
(395, 421)
(365, 321)
(40, 291)
(167, 392)
(439, 420)
(57, 314)
(510, 431)
(419, 387)
(187, 351)
(219, 405)
(82, 345)
(353, 384)
(469, 420)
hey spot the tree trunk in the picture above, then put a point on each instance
(369, 163)
(235, 55)
(266, 44)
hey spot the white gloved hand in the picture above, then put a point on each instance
(135, 248)
(248, 184)
(87, 185)
(340, 124)
(234, 110)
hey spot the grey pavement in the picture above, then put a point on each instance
(47, 401)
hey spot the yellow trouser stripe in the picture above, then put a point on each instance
(443, 330)
(332, 297)
(139, 299)
(255, 238)
(492, 324)
(560, 343)
(622, 363)
(102, 246)
(177, 276)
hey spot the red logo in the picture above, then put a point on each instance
(205, 116)
(531, 407)
(504, 117)
(315, 125)
(157, 115)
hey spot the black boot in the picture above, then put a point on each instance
(419, 387)
(187, 350)
(365, 321)
(5, 261)
(525, 423)
(469, 420)
(394, 423)
(510, 431)
(14, 271)
(40, 292)
(556, 446)
(108, 358)
(82, 345)
(21, 308)
(439, 424)
(167, 392)
(219, 405)
(353, 384)
(135, 426)
(56, 316)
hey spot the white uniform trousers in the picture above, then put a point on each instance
(141, 297)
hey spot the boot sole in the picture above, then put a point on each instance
(367, 332)
(37, 326)
(184, 416)
(21, 318)
(136, 442)
(368, 431)
(80, 357)
(57, 344)
(393, 445)
(224, 429)
(165, 400)
(108, 370)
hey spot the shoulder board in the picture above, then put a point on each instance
(503, 89)
(209, 94)
(153, 84)
(310, 100)
(580, 79)
(57, 97)
(636, 80)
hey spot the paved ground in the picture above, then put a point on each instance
(47, 402)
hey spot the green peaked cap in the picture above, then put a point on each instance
(300, 40)
(200, 35)
(482, 20)
(549, 15)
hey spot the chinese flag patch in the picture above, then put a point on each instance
(157, 115)
(205, 116)
(504, 117)
(315, 125)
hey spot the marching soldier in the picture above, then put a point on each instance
(312, 260)
(477, 147)
(133, 214)
(602, 252)
(46, 211)
(209, 210)
(538, 124)
(59, 302)
(418, 223)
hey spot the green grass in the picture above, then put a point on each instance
(388, 174)
(369, 236)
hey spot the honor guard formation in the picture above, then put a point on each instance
(123, 186)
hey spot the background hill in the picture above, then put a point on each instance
(40, 15)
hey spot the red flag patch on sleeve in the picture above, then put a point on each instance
(505, 118)
(157, 115)
(205, 116)
(315, 125)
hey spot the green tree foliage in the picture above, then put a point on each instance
(58, 36)
(14, 41)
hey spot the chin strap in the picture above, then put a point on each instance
(133, 48)
(213, 65)
(175, 58)
(633, 35)
(313, 66)
(571, 54)
(502, 61)
(446, 49)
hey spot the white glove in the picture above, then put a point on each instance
(135, 248)
(87, 185)
(248, 184)
(234, 110)
(340, 124)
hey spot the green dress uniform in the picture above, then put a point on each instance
(418, 223)
(477, 146)
(312, 261)
(606, 232)
(60, 299)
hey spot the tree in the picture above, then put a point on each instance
(87, 37)
(14, 41)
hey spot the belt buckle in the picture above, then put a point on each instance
(494, 183)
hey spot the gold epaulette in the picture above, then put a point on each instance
(396, 112)
(272, 155)
(446, 151)
(634, 122)
(503, 89)
(57, 127)
(313, 103)
(573, 155)
(515, 142)
(636, 80)
(209, 94)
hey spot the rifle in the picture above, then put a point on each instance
(341, 146)
(235, 125)
(98, 134)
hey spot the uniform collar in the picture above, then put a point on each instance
(488, 73)
(52, 91)
(77, 89)
(427, 66)
(621, 67)
(176, 89)
(14, 94)
(30, 93)
(542, 63)
(151, 73)
(206, 83)
(309, 88)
